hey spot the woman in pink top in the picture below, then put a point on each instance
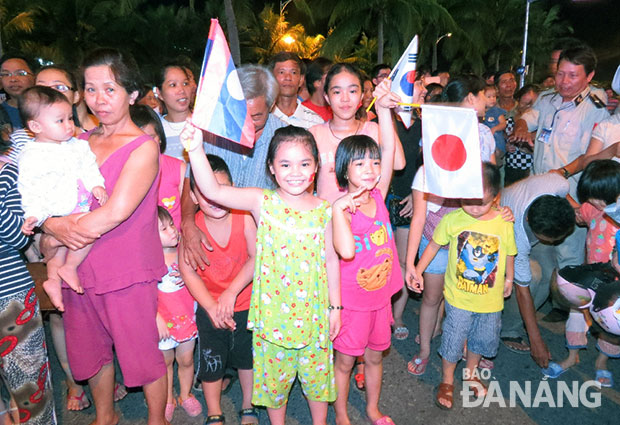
(121, 272)
(343, 91)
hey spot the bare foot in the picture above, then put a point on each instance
(53, 290)
(77, 399)
(70, 276)
(569, 362)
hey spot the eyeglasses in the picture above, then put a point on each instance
(62, 88)
(18, 73)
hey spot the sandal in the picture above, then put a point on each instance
(605, 378)
(477, 387)
(169, 410)
(553, 371)
(83, 402)
(360, 381)
(516, 344)
(444, 392)
(401, 333)
(249, 412)
(417, 366)
(215, 419)
(191, 406)
(384, 420)
(486, 364)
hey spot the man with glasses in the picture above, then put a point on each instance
(16, 76)
(379, 73)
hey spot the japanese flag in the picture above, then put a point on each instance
(451, 148)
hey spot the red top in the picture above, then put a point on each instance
(324, 112)
(226, 261)
(131, 252)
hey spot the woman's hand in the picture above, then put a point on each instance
(507, 214)
(407, 209)
(414, 280)
(68, 231)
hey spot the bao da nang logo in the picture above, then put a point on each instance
(530, 393)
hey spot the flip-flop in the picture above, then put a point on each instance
(215, 419)
(602, 374)
(384, 420)
(360, 381)
(83, 401)
(417, 366)
(401, 333)
(508, 341)
(553, 371)
(120, 392)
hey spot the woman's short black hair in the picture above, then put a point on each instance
(123, 66)
(351, 149)
(600, 180)
(460, 86)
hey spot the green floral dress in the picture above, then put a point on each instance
(289, 293)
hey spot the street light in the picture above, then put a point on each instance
(288, 39)
(434, 67)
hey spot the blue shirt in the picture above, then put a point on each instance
(247, 166)
(16, 120)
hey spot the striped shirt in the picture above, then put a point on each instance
(14, 277)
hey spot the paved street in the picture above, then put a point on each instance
(409, 400)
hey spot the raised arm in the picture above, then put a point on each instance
(386, 100)
(247, 199)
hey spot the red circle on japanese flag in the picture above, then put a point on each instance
(449, 152)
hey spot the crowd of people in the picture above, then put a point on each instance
(293, 259)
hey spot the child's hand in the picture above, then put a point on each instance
(385, 97)
(348, 201)
(407, 209)
(29, 224)
(334, 324)
(507, 288)
(507, 214)
(162, 328)
(100, 194)
(414, 279)
(191, 137)
(226, 305)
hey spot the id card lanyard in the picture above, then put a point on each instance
(545, 133)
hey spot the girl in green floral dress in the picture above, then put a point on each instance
(295, 306)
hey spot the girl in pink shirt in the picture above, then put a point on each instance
(369, 268)
(343, 92)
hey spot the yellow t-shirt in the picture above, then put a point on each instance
(474, 279)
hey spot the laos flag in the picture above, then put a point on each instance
(220, 107)
(403, 77)
(451, 150)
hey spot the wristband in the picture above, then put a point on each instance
(335, 307)
(565, 172)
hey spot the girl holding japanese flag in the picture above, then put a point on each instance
(466, 91)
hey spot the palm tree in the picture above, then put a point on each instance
(394, 22)
(15, 21)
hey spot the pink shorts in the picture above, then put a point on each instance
(123, 320)
(364, 329)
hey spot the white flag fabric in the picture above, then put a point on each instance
(451, 149)
(403, 77)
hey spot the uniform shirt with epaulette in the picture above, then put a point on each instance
(563, 129)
